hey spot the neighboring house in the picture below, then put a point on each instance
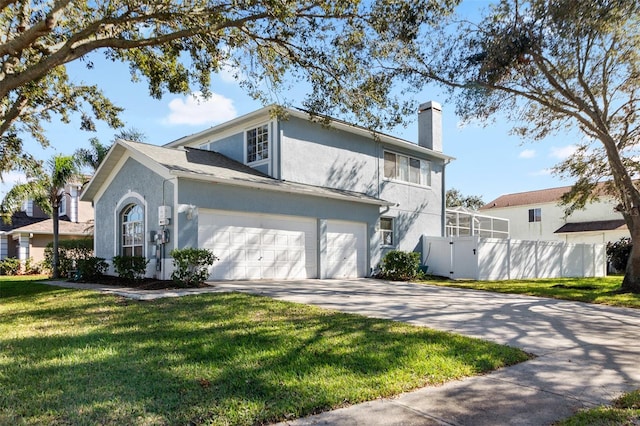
(30, 230)
(538, 215)
(273, 198)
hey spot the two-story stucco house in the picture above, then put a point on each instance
(30, 229)
(538, 215)
(273, 197)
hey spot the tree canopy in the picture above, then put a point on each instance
(455, 198)
(93, 156)
(47, 189)
(546, 66)
(176, 46)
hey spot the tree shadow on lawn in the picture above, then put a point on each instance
(228, 359)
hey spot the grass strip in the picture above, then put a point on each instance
(601, 290)
(79, 357)
(624, 411)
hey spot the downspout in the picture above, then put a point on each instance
(443, 190)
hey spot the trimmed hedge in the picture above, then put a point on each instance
(69, 253)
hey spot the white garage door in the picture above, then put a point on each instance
(346, 249)
(259, 246)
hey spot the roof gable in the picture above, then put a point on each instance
(198, 164)
(269, 112)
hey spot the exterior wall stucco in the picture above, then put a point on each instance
(553, 218)
(317, 155)
(131, 181)
(233, 147)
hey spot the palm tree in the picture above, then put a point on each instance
(47, 190)
(92, 157)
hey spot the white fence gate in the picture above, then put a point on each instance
(502, 259)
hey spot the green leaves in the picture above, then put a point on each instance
(45, 188)
(341, 50)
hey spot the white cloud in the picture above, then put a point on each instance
(563, 152)
(527, 153)
(195, 110)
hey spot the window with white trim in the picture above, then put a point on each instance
(132, 230)
(387, 236)
(62, 208)
(407, 169)
(535, 215)
(257, 143)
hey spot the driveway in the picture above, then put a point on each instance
(586, 355)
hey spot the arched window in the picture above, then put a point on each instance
(132, 230)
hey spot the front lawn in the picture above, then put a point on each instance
(79, 357)
(624, 411)
(605, 290)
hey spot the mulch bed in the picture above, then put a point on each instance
(144, 284)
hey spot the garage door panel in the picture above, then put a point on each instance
(268, 255)
(269, 238)
(254, 246)
(235, 237)
(219, 238)
(346, 249)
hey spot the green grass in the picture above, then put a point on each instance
(624, 411)
(605, 290)
(79, 357)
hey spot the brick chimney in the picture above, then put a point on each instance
(430, 126)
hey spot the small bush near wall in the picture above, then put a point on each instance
(91, 269)
(400, 266)
(618, 253)
(69, 252)
(130, 268)
(10, 266)
(191, 266)
(32, 267)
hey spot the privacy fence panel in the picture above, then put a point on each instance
(501, 259)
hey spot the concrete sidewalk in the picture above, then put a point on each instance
(586, 354)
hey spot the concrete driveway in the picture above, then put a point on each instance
(586, 354)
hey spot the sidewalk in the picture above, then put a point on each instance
(586, 354)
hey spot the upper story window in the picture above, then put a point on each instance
(132, 230)
(535, 215)
(407, 169)
(257, 143)
(62, 209)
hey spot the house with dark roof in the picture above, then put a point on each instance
(538, 215)
(30, 229)
(273, 196)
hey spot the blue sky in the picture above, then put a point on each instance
(489, 162)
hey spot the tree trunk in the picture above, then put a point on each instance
(631, 281)
(55, 273)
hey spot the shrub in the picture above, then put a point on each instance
(618, 253)
(400, 265)
(34, 268)
(130, 268)
(92, 268)
(191, 266)
(69, 252)
(10, 266)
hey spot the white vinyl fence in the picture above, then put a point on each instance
(502, 259)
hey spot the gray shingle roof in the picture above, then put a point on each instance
(591, 226)
(45, 227)
(206, 165)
